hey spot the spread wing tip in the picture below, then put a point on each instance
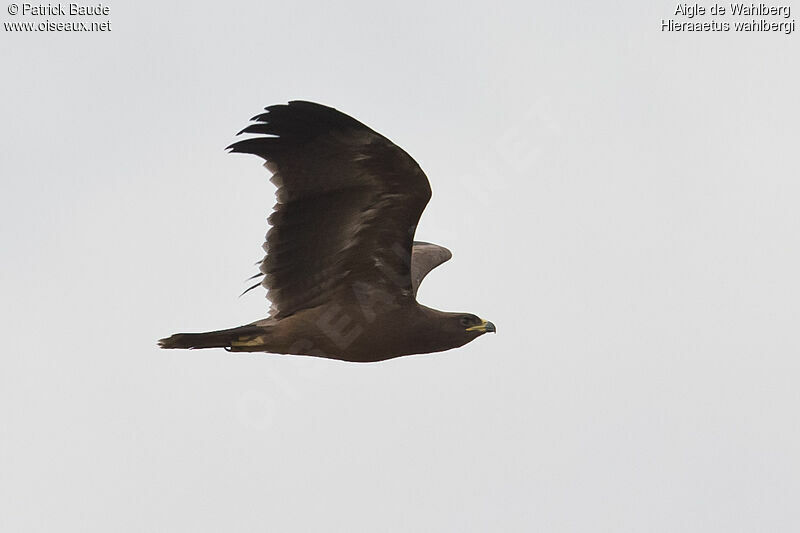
(259, 146)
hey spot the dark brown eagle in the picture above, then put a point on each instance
(342, 268)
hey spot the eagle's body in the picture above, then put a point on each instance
(342, 268)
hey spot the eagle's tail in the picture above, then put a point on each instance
(224, 338)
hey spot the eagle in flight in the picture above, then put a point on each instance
(342, 268)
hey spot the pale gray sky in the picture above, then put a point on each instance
(622, 203)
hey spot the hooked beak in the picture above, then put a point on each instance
(484, 327)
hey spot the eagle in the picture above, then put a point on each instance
(342, 268)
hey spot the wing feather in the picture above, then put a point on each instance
(424, 258)
(348, 202)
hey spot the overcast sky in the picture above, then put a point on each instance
(621, 202)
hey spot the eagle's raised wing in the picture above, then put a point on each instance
(348, 203)
(424, 258)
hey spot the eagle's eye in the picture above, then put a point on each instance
(466, 321)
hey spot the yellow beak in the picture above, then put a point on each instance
(485, 326)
